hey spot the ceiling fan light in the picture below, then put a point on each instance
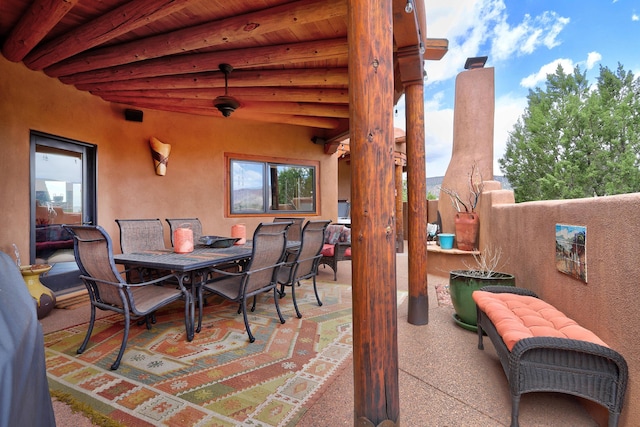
(226, 105)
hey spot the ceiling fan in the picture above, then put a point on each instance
(226, 104)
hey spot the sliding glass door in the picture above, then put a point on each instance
(63, 189)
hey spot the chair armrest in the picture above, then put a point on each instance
(131, 285)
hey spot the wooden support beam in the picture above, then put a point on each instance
(337, 77)
(375, 340)
(34, 25)
(289, 108)
(217, 33)
(112, 24)
(329, 96)
(399, 210)
(240, 114)
(286, 54)
(436, 49)
(416, 205)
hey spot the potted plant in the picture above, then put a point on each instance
(467, 221)
(462, 283)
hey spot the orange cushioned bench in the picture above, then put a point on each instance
(541, 349)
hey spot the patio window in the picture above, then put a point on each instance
(271, 186)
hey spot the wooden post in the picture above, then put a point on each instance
(417, 206)
(375, 335)
(399, 211)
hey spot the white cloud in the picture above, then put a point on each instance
(474, 25)
(508, 110)
(535, 79)
(635, 17)
(592, 58)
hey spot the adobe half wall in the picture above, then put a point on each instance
(609, 303)
(127, 184)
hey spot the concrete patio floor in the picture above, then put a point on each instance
(444, 379)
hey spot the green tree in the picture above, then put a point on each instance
(574, 140)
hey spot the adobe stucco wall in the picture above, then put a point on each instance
(127, 184)
(609, 303)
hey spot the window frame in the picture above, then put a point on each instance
(267, 163)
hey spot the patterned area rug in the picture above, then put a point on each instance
(219, 378)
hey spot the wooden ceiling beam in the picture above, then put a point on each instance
(331, 96)
(436, 49)
(215, 33)
(33, 26)
(286, 54)
(299, 108)
(337, 77)
(290, 108)
(112, 24)
(240, 114)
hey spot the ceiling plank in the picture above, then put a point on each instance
(316, 122)
(299, 108)
(337, 77)
(291, 108)
(216, 33)
(332, 96)
(119, 21)
(33, 26)
(286, 54)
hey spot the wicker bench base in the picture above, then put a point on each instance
(559, 365)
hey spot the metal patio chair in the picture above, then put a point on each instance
(193, 223)
(108, 290)
(305, 263)
(259, 275)
(140, 235)
(137, 235)
(295, 231)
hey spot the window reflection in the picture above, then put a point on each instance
(286, 187)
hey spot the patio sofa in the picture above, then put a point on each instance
(336, 247)
(541, 349)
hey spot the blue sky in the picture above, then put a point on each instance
(525, 40)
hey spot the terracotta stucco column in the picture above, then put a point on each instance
(473, 118)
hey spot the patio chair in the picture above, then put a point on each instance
(193, 223)
(305, 263)
(337, 247)
(259, 275)
(107, 289)
(295, 231)
(140, 235)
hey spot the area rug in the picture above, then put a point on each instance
(219, 378)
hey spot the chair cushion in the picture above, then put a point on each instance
(347, 251)
(519, 316)
(332, 233)
(345, 235)
(328, 250)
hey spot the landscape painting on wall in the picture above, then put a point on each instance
(571, 250)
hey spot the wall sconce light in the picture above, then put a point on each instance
(476, 62)
(409, 6)
(160, 154)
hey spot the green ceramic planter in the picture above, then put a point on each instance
(462, 283)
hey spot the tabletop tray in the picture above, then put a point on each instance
(218, 241)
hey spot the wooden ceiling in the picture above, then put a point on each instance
(289, 58)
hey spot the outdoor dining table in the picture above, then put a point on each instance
(192, 266)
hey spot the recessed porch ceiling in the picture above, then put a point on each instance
(289, 58)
